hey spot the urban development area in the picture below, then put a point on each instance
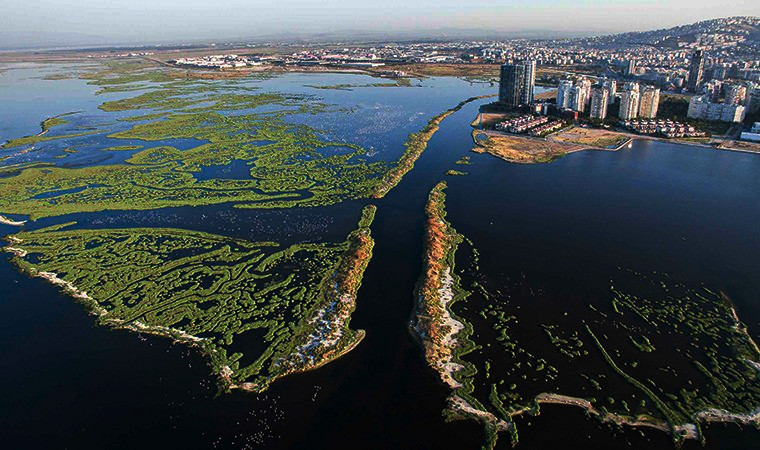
(698, 83)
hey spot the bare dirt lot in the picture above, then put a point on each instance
(519, 149)
(591, 137)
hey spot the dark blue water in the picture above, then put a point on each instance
(235, 170)
(69, 384)
(685, 211)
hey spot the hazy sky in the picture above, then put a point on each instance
(121, 20)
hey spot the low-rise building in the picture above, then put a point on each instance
(753, 134)
(700, 107)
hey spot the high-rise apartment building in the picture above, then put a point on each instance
(696, 70)
(629, 101)
(513, 85)
(630, 68)
(529, 82)
(578, 102)
(585, 85)
(564, 94)
(700, 107)
(736, 94)
(649, 101)
(599, 96)
(574, 95)
(611, 86)
(753, 101)
(713, 89)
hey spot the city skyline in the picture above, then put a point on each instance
(60, 23)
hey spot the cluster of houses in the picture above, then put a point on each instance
(217, 62)
(521, 124)
(530, 124)
(546, 128)
(661, 127)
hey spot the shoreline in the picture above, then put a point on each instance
(7, 221)
(437, 331)
(432, 323)
(330, 337)
(253, 387)
(517, 148)
(521, 149)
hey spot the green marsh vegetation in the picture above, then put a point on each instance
(51, 122)
(290, 163)
(250, 306)
(714, 344)
(401, 82)
(444, 337)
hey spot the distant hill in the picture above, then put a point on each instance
(742, 32)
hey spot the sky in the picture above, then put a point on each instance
(147, 21)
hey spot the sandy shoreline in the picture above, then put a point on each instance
(254, 387)
(7, 221)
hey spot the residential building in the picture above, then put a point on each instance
(629, 101)
(753, 101)
(578, 99)
(529, 82)
(700, 107)
(611, 86)
(564, 94)
(599, 97)
(649, 101)
(585, 85)
(511, 84)
(696, 70)
(713, 89)
(574, 95)
(630, 68)
(736, 94)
